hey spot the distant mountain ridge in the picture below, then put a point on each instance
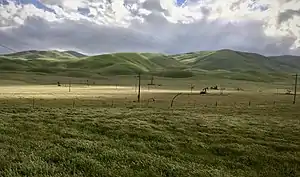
(40, 54)
(222, 63)
(75, 54)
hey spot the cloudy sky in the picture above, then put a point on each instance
(270, 27)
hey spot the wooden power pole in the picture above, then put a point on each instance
(69, 85)
(295, 90)
(152, 79)
(192, 87)
(151, 82)
(139, 92)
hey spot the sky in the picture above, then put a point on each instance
(268, 27)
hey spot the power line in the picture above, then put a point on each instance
(2, 45)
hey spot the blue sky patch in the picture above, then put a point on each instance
(36, 3)
(180, 2)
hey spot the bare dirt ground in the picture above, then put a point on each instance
(49, 91)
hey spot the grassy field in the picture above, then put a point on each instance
(102, 131)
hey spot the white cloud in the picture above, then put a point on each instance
(264, 26)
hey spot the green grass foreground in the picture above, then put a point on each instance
(121, 141)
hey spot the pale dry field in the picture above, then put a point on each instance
(126, 95)
(79, 91)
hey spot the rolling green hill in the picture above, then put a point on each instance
(33, 54)
(231, 61)
(225, 64)
(287, 62)
(74, 53)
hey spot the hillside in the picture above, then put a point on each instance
(75, 54)
(226, 64)
(238, 61)
(33, 54)
(287, 61)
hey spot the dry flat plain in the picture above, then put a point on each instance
(103, 131)
(80, 91)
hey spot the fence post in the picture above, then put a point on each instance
(73, 105)
(216, 103)
(249, 103)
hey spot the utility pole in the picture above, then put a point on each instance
(151, 83)
(69, 85)
(192, 87)
(139, 92)
(135, 84)
(295, 90)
